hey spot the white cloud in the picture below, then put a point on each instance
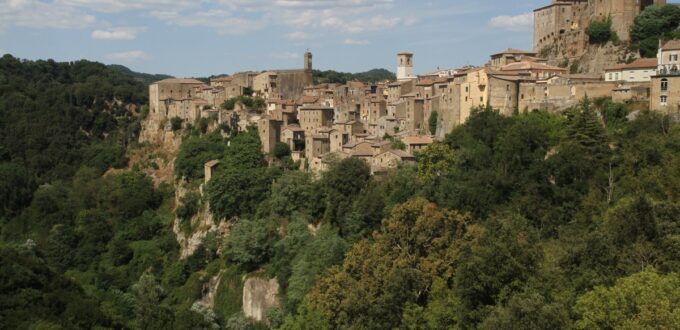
(116, 34)
(285, 56)
(356, 42)
(513, 23)
(301, 18)
(130, 56)
(39, 14)
(298, 35)
(221, 20)
(117, 6)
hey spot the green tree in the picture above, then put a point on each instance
(600, 32)
(237, 192)
(437, 160)
(432, 122)
(250, 243)
(195, 152)
(653, 23)
(341, 184)
(646, 300)
(377, 280)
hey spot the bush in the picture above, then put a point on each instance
(600, 32)
(176, 123)
(189, 207)
(195, 152)
(281, 150)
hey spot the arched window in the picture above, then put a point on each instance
(664, 84)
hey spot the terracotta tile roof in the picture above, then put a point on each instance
(673, 44)
(309, 99)
(641, 63)
(180, 81)
(526, 65)
(357, 153)
(378, 144)
(423, 139)
(222, 79)
(401, 153)
(515, 51)
(294, 128)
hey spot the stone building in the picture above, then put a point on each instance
(665, 93)
(562, 24)
(313, 117)
(173, 98)
(512, 55)
(270, 133)
(561, 92)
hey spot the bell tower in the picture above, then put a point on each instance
(308, 61)
(405, 66)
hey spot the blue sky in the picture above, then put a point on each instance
(204, 37)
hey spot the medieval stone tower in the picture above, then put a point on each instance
(308, 61)
(405, 66)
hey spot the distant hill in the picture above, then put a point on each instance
(144, 78)
(372, 76)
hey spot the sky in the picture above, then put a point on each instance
(194, 38)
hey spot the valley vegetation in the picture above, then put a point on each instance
(534, 221)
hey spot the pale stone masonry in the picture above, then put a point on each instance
(563, 23)
(324, 123)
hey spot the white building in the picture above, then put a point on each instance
(641, 70)
(668, 57)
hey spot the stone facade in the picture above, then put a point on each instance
(562, 24)
(665, 94)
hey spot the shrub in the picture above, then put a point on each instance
(176, 123)
(281, 150)
(600, 32)
(189, 206)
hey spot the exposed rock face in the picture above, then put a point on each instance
(259, 295)
(595, 59)
(156, 156)
(209, 290)
(202, 224)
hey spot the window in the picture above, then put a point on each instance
(664, 100)
(664, 85)
(673, 57)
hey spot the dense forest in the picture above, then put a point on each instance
(535, 221)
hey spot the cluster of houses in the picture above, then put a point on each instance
(387, 123)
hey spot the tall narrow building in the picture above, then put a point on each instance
(405, 66)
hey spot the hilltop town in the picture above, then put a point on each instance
(388, 122)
